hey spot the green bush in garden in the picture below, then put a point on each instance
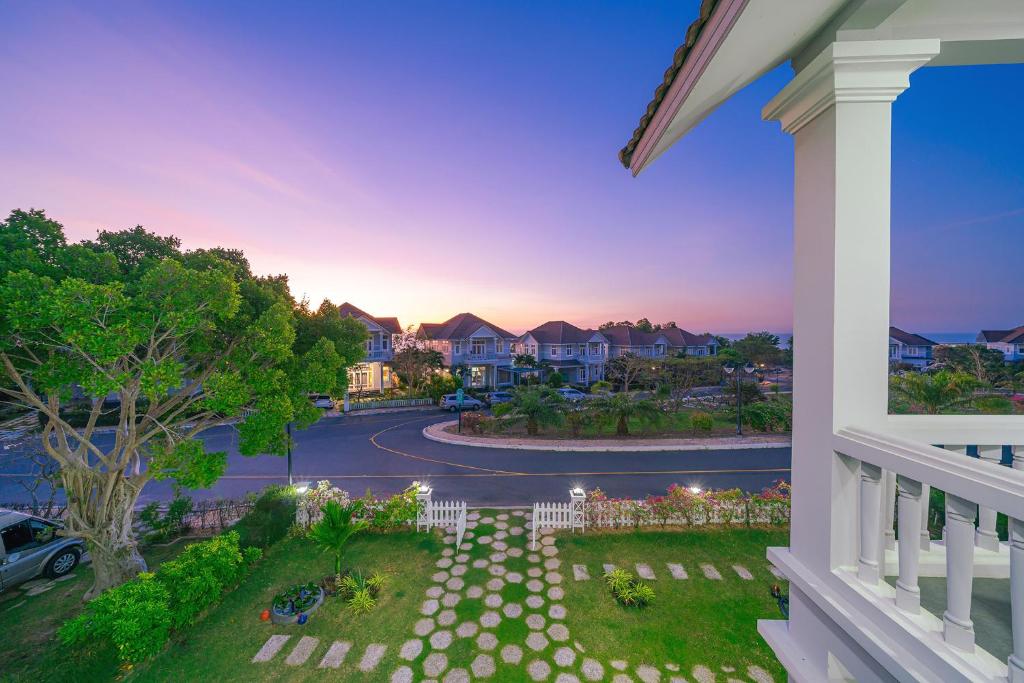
(137, 617)
(133, 617)
(702, 422)
(769, 416)
(629, 591)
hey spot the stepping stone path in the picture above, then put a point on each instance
(436, 650)
(644, 571)
(677, 571)
(710, 572)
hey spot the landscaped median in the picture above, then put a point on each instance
(445, 432)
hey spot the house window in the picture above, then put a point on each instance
(582, 349)
(478, 376)
(568, 350)
(583, 375)
(553, 350)
(384, 341)
(476, 346)
(458, 349)
(499, 346)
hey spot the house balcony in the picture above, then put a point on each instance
(485, 356)
(378, 354)
(949, 608)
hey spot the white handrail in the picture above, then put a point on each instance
(958, 429)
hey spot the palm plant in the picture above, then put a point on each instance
(335, 529)
(936, 392)
(621, 408)
(536, 406)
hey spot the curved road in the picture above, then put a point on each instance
(386, 452)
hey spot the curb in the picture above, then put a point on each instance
(435, 432)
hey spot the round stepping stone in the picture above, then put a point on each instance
(498, 557)
(467, 629)
(441, 640)
(435, 592)
(618, 664)
(553, 577)
(480, 564)
(533, 557)
(495, 584)
(444, 563)
(566, 678)
(621, 678)
(455, 583)
(518, 513)
(502, 517)
(487, 520)
(473, 516)
(468, 534)
(556, 593)
(435, 664)
(565, 656)
(511, 654)
(534, 586)
(758, 674)
(513, 610)
(703, 674)
(483, 666)
(536, 641)
(558, 632)
(514, 577)
(648, 674)
(549, 551)
(535, 572)
(592, 670)
(493, 600)
(411, 649)
(500, 535)
(497, 570)
(516, 530)
(552, 563)
(462, 558)
(459, 570)
(547, 540)
(534, 601)
(446, 618)
(474, 592)
(490, 619)
(501, 525)
(557, 611)
(485, 540)
(500, 545)
(515, 552)
(429, 607)
(448, 539)
(539, 670)
(535, 622)
(466, 546)
(487, 641)
(403, 674)
(440, 577)
(450, 599)
(447, 552)
(423, 627)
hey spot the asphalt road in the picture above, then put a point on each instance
(386, 452)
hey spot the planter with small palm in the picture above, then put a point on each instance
(333, 532)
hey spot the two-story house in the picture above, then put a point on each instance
(578, 355)
(909, 349)
(623, 339)
(468, 340)
(873, 596)
(374, 373)
(1010, 342)
(689, 344)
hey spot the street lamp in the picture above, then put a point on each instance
(748, 368)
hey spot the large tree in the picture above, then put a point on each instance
(168, 344)
(628, 369)
(759, 347)
(414, 363)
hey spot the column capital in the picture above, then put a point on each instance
(849, 71)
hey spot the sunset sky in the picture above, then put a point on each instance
(426, 158)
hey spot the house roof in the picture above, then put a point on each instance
(680, 337)
(1014, 336)
(389, 324)
(908, 338)
(678, 59)
(560, 332)
(625, 335)
(460, 326)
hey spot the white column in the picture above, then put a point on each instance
(870, 509)
(958, 628)
(926, 537)
(986, 537)
(1015, 664)
(908, 595)
(838, 109)
(423, 505)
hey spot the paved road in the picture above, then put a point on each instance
(386, 452)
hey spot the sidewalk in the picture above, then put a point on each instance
(435, 432)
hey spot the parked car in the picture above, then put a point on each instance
(322, 401)
(496, 397)
(30, 546)
(570, 394)
(450, 403)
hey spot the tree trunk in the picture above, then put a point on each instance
(622, 429)
(101, 506)
(531, 427)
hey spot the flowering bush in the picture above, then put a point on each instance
(310, 507)
(382, 514)
(682, 505)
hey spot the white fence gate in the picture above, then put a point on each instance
(556, 516)
(443, 513)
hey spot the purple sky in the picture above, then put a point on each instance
(422, 159)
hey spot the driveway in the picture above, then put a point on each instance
(386, 452)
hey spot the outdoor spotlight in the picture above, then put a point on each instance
(577, 491)
(695, 490)
(424, 488)
(748, 368)
(301, 487)
(728, 367)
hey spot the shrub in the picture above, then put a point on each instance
(360, 592)
(397, 510)
(555, 380)
(627, 590)
(269, 520)
(170, 523)
(702, 423)
(769, 416)
(132, 617)
(472, 422)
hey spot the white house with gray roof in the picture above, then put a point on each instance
(468, 340)
(374, 372)
(578, 355)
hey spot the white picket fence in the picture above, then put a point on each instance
(553, 516)
(447, 513)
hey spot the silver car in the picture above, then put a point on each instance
(30, 546)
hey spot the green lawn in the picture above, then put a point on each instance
(693, 621)
(35, 654)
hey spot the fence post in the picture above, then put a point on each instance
(577, 498)
(423, 507)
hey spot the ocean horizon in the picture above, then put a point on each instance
(940, 337)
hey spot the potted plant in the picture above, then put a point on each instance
(302, 598)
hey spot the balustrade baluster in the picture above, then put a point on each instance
(870, 513)
(889, 533)
(926, 501)
(986, 536)
(1015, 663)
(958, 628)
(908, 595)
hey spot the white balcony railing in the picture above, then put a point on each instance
(894, 468)
(378, 354)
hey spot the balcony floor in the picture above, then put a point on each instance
(990, 610)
